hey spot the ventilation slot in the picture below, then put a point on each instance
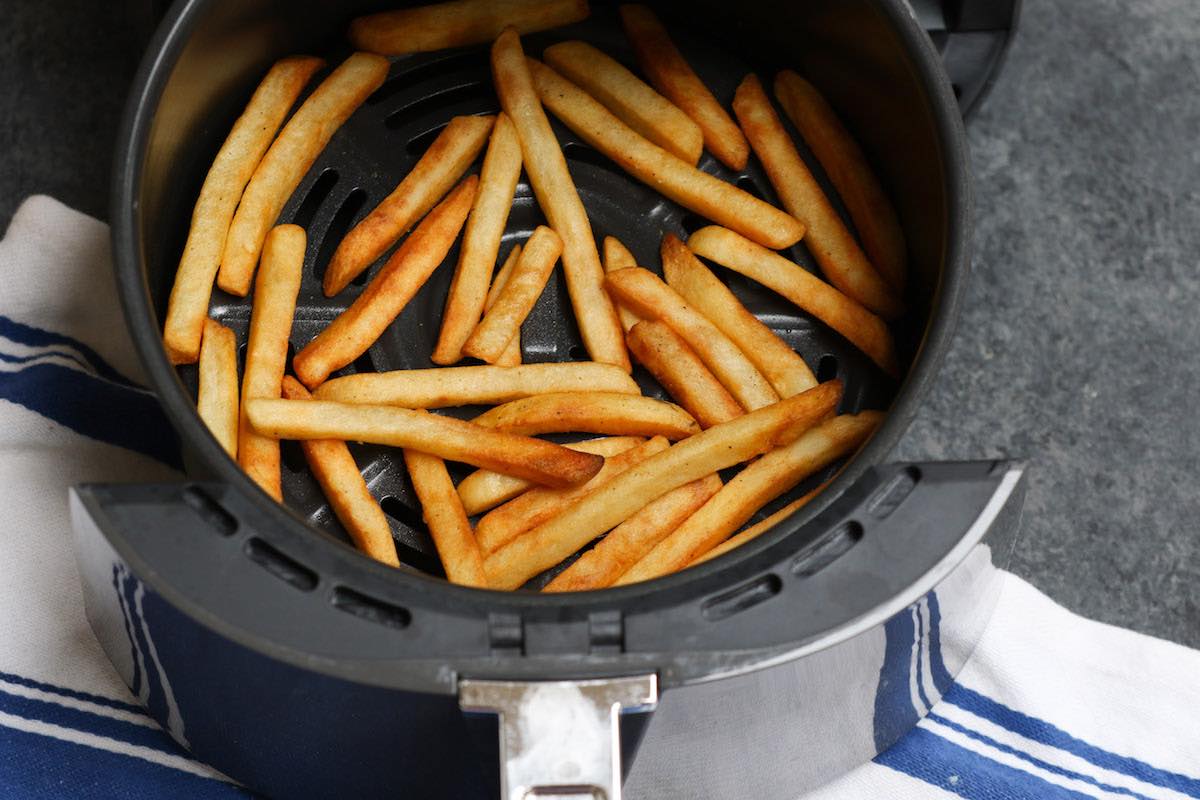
(209, 510)
(315, 197)
(293, 456)
(694, 222)
(578, 352)
(398, 510)
(364, 363)
(436, 68)
(743, 597)
(436, 102)
(417, 145)
(820, 555)
(338, 227)
(582, 153)
(283, 567)
(370, 609)
(827, 368)
(747, 185)
(889, 498)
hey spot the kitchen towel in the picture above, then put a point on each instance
(1050, 705)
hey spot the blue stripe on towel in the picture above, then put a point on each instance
(89, 722)
(37, 337)
(99, 700)
(894, 712)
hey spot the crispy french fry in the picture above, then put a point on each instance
(481, 242)
(827, 237)
(703, 454)
(670, 73)
(692, 188)
(705, 292)
(681, 372)
(617, 256)
(460, 23)
(455, 149)
(357, 328)
(650, 298)
(452, 439)
(482, 385)
(501, 525)
(511, 357)
(275, 293)
(591, 412)
(243, 149)
(559, 200)
(342, 482)
(751, 489)
(217, 400)
(484, 489)
(863, 329)
(521, 291)
(759, 528)
(628, 542)
(288, 159)
(625, 95)
(844, 162)
(447, 522)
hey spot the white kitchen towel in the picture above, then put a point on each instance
(1050, 705)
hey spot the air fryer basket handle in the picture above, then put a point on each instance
(973, 37)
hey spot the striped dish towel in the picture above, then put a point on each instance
(1050, 705)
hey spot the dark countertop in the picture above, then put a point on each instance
(1078, 341)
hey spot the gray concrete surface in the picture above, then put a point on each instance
(1077, 346)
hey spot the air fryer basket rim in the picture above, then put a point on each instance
(129, 258)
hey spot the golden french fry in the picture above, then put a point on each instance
(288, 159)
(863, 329)
(591, 412)
(460, 23)
(625, 95)
(501, 525)
(481, 385)
(827, 237)
(236, 161)
(275, 293)
(559, 200)
(670, 73)
(521, 291)
(696, 284)
(681, 372)
(357, 328)
(751, 489)
(628, 542)
(217, 400)
(650, 298)
(617, 256)
(447, 522)
(342, 482)
(511, 357)
(481, 242)
(844, 162)
(692, 188)
(703, 454)
(759, 528)
(451, 439)
(484, 489)
(455, 149)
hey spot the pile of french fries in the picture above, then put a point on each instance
(642, 499)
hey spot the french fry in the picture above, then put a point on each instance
(275, 293)
(692, 188)
(696, 284)
(447, 522)
(484, 489)
(650, 298)
(759, 528)
(357, 328)
(460, 23)
(628, 542)
(501, 525)
(455, 149)
(681, 372)
(559, 200)
(703, 454)
(844, 162)
(670, 73)
(591, 412)
(617, 256)
(482, 385)
(236, 161)
(625, 95)
(451, 439)
(342, 482)
(751, 489)
(827, 237)
(521, 291)
(863, 329)
(481, 242)
(511, 357)
(217, 400)
(288, 159)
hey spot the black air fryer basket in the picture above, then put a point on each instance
(263, 642)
